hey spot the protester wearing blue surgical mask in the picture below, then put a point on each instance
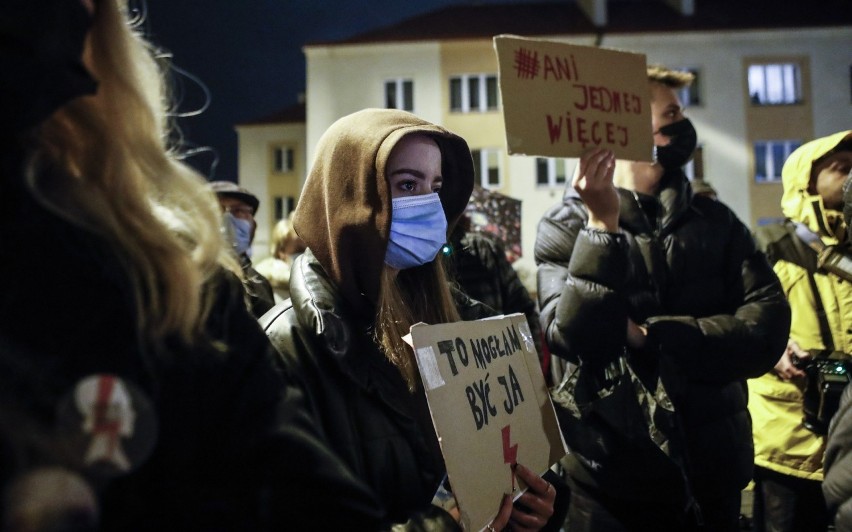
(418, 224)
(385, 190)
(238, 225)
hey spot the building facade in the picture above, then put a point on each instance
(766, 82)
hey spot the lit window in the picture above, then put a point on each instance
(774, 84)
(551, 172)
(486, 167)
(284, 161)
(399, 94)
(769, 157)
(474, 93)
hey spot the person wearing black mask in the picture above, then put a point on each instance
(632, 263)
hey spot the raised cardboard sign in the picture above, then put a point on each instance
(490, 408)
(560, 99)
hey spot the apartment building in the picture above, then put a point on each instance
(770, 76)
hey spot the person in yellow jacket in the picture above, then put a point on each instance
(788, 451)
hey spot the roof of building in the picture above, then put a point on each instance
(294, 114)
(476, 20)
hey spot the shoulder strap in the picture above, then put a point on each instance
(804, 249)
(780, 242)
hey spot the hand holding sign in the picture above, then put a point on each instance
(533, 508)
(593, 182)
(480, 378)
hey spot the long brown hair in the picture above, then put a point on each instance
(406, 297)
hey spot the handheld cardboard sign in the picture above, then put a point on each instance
(560, 99)
(490, 408)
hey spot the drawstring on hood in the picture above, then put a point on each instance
(798, 203)
(344, 211)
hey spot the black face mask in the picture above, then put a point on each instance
(41, 44)
(681, 146)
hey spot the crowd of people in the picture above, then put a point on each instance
(154, 378)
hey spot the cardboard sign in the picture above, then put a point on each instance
(561, 99)
(490, 408)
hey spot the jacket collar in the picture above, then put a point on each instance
(321, 309)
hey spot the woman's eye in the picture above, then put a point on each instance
(408, 186)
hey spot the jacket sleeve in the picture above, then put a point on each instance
(744, 343)
(581, 276)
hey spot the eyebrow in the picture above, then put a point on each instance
(416, 173)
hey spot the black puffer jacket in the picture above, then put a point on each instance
(688, 270)
(364, 408)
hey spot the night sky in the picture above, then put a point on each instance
(248, 54)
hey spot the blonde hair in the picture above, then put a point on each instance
(674, 79)
(406, 297)
(285, 241)
(113, 173)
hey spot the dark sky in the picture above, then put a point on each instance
(248, 53)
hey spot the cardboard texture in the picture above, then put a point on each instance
(560, 99)
(490, 408)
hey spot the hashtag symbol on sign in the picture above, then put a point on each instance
(526, 63)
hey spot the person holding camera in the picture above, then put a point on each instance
(792, 405)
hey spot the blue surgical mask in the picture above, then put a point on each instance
(241, 235)
(418, 230)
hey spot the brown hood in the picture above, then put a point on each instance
(344, 212)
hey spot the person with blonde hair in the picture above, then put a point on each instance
(635, 269)
(384, 191)
(286, 246)
(114, 267)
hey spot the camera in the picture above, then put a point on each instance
(827, 376)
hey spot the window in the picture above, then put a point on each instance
(284, 161)
(690, 96)
(769, 157)
(474, 93)
(399, 94)
(486, 167)
(284, 205)
(551, 172)
(774, 84)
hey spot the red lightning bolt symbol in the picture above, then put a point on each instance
(510, 452)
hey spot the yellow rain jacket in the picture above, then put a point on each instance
(781, 442)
